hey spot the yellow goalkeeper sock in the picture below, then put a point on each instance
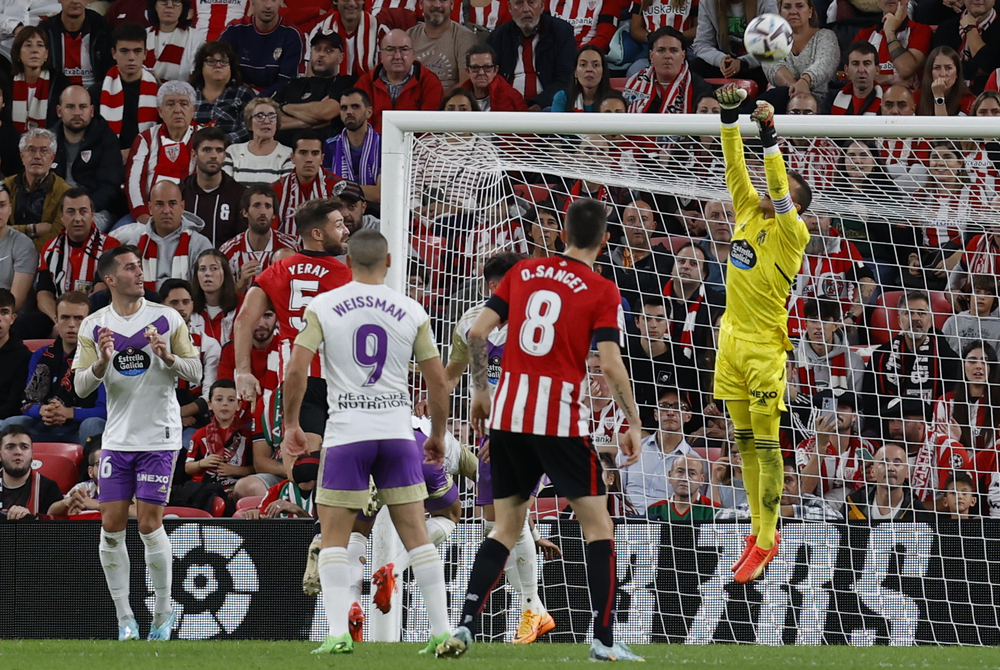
(739, 412)
(771, 477)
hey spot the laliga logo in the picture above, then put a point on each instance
(217, 580)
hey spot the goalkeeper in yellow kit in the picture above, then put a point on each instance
(764, 257)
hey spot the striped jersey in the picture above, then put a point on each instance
(554, 308)
(239, 252)
(212, 16)
(676, 14)
(583, 15)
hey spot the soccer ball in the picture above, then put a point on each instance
(768, 38)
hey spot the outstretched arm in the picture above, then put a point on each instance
(745, 197)
(774, 167)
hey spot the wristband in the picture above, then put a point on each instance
(768, 135)
(535, 534)
(730, 116)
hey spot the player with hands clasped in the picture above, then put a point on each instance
(370, 333)
(765, 255)
(554, 308)
(137, 349)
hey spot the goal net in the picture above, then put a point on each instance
(892, 486)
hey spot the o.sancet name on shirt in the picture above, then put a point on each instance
(548, 272)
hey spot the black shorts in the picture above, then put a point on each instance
(518, 461)
(313, 415)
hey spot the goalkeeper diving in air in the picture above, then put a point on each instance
(765, 256)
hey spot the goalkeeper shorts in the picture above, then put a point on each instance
(753, 371)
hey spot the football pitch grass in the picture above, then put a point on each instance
(210, 655)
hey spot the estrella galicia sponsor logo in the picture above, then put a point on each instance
(132, 362)
(742, 255)
(493, 370)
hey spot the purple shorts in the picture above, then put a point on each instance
(146, 475)
(395, 465)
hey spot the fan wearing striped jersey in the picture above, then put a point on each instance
(766, 253)
(554, 308)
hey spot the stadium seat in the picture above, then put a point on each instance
(186, 512)
(92, 515)
(248, 502)
(218, 507)
(885, 317)
(59, 469)
(533, 193)
(35, 345)
(547, 508)
(748, 85)
(618, 83)
(72, 451)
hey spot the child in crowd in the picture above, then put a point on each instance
(221, 452)
(960, 495)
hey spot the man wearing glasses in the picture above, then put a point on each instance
(815, 158)
(36, 192)
(493, 93)
(400, 82)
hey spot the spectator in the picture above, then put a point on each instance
(727, 486)
(975, 34)
(18, 258)
(36, 192)
(960, 495)
(215, 299)
(307, 181)
(221, 95)
(933, 456)
(492, 93)
(981, 322)
(917, 363)
(87, 155)
(314, 101)
(211, 194)
(832, 461)
(943, 90)
(814, 158)
(638, 267)
(607, 420)
(971, 412)
(359, 33)
(212, 16)
(24, 493)
(590, 83)
(534, 51)
(543, 233)
(488, 16)
(983, 155)
(220, 452)
(162, 152)
(619, 506)
(68, 261)
(936, 12)
(648, 16)
(905, 159)
(686, 501)
(822, 359)
(650, 357)
(440, 43)
(252, 251)
(171, 40)
(668, 85)
(51, 409)
(815, 56)
(84, 497)
(649, 480)
(794, 503)
(862, 96)
(352, 197)
(129, 92)
(903, 44)
(889, 498)
(400, 82)
(262, 160)
(718, 44)
(170, 238)
(14, 359)
(268, 51)
(80, 40)
(10, 159)
(720, 217)
(36, 83)
(692, 310)
(20, 13)
(356, 153)
(592, 24)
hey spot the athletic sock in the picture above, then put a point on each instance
(602, 578)
(428, 571)
(357, 548)
(771, 484)
(751, 475)
(334, 574)
(439, 529)
(486, 570)
(525, 559)
(117, 570)
(160, 564)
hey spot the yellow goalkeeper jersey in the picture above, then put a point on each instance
(765, 254)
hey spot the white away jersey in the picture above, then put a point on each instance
(370, 333)
(495, 343)
(143, 412)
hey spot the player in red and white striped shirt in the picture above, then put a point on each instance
(554, 308)
(252, 251)
(212, 16)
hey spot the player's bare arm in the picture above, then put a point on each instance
(438, 392)
(479, 362)
(616, 373)
(294, 390)
(254, 306)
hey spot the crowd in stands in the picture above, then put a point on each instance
(194, 129)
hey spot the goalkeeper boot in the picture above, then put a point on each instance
(533, 626)
(755, 562)
(310, 578)
(616, 652)
(384, 582)
(749, 542)
(433, 643)
(163, 632)
(356, 623)
(458, 643)
(130, 631)
(336, 645)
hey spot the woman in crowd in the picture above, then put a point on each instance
(215, 298)
(222, 96)
(718, 50)
(815, 56)
(982, 157)
(971, 412)
(171, 40)
(942, 90)
(981, 322)
(36, 87)
(590, 83)
(262, 160)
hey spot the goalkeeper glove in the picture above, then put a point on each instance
(764, 116)
(730, 97)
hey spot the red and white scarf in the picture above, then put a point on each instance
(165, 52)
(687, 334)
(31, 103)
(844, 102)
(675, 98)
(837, 367)
(291, 195)
(965, 51)
(180, 263)
(113, 100)
(57, 256)
(903, 151)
